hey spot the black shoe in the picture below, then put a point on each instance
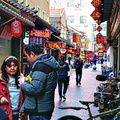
(64, 97)
(60, 99)
(76, 83)
(79, 83)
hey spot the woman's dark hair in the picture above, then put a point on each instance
(7, 62)
(32, 47)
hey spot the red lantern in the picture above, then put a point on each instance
(99, 35)
(96, 3)
(98, 40)
(96, 15)
(99, 28)
(16, 29)
(63, 45)
(98, 21)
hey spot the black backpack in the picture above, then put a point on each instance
(77, 63)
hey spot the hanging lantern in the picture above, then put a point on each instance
(74, 37)
(96, 15)
(99, 21)
(16, 29)
(96, 3)
(99, 35)
(63, 51)
(63, 45)
(98, 40)
(50, 45)
(99, 28)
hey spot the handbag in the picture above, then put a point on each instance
(3, 115)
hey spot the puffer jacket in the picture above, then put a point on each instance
(40, 91)
(4, 92)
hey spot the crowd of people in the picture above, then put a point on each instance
(32, 95)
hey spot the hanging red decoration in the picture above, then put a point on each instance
(99, 28)
(16, 29)
(63, 45)
(96, 15)
(74, 37)
(98, 21)
(99, 35)
(96, 3)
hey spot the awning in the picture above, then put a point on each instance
(106, 9)
(41, 24)
(55, 38)
(8, 11)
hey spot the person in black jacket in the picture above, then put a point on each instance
(62, 77)
(78, 69)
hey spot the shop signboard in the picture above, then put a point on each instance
(37, 40)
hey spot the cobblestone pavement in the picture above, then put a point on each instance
(76, 93)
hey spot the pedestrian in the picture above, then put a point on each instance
(78, 64)
(41, 84)
(95, 59)
(63, 77)
(11, 96)
(69, 60)
(101, 61)
(91, 61)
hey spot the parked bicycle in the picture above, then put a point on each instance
(107, 92)
(91, 117)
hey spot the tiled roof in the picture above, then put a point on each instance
(7, 9)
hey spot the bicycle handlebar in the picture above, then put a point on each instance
(71, 107)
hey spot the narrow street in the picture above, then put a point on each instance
(76, 93)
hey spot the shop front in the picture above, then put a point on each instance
(10, 44)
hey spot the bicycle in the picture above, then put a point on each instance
(91, 117)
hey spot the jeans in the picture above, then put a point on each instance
(39, 117)
(78, 76)
(62, 87)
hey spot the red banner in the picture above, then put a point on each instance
(74, 37)
(6, 33)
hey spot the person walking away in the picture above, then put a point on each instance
(91, 61)
(63, 77)
(78, 64)
(41, 84)
(101, 61)
(11, 96)
(95, 59)
(69, 60)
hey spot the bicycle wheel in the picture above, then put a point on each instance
(69, 117)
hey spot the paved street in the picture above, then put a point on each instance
(76, 93)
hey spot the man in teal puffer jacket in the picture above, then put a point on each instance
(41, 84)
